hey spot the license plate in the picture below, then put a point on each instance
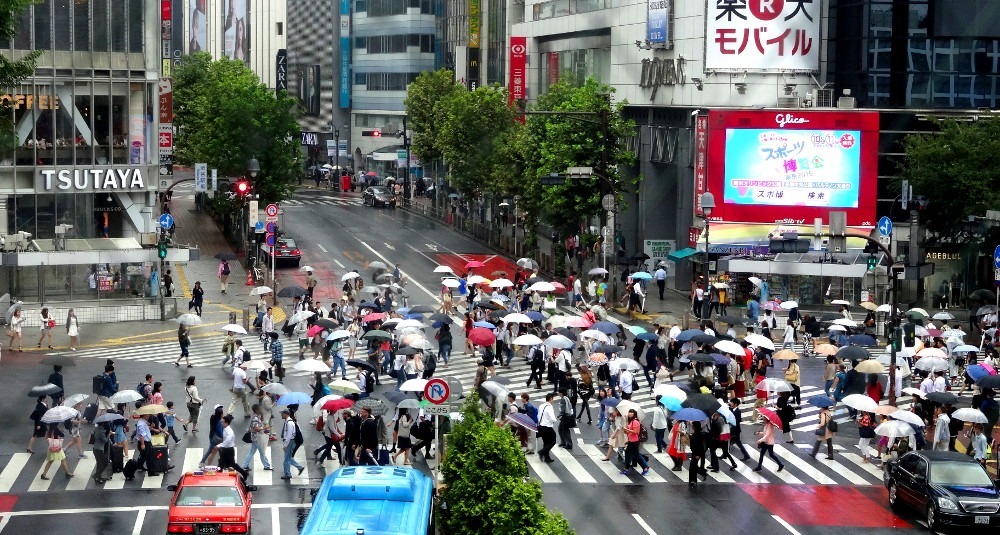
(208, 529)
(983, 520)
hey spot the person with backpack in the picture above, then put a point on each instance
(224, 271)
(866, 432)
(633, 430)
(531, 411)
(537, 363)
(567, 420)
(145, 389)
(291, 440)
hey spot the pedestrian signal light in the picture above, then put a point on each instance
(371, 133)
(872, 262)
(909, 335)
(897, 339)
(161, 250)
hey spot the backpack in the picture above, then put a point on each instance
(537, 356)
(246, 354)
(225, 268)
(532, 412)
(369, 383)
(643, 433)
(298, 435)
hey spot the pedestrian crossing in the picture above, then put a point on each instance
(23, 471)
(323, 200)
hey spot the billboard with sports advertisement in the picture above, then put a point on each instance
(790, 167)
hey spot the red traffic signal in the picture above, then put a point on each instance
(242, 188)
(371, 133)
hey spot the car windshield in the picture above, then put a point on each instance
(287, 242)
(379, 190)
(209, 496)
(954, 474)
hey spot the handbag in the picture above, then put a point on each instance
(247, 437)
(158, 440)
(55, 445)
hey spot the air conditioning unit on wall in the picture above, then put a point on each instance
(789, 102)
(822, 98)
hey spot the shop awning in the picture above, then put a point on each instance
(91, 251)
(681, 254)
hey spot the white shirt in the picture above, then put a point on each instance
(675, 331)
(637, 288)
(239, 378)
(267, 324)
(238, 356)
(940, 385)
(927, 385)
(288, 431)
(709, 331)
(625, 381)
(699, 294)
(660, 274)
(578, 287)
(546, 415)
(228, 438)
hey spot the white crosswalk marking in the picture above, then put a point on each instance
(82, 473)
(322, 201)
(11, 471)
(575, 468)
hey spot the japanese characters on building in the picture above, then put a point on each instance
(762, 35)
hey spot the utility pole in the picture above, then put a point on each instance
(406, 166)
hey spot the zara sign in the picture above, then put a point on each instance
(91, 179)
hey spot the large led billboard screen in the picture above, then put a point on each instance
(791, 167)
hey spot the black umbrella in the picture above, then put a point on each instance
(862, 340)
(989, 381)
(363, 364)
(395, 397)
(533, 280)
(366, 304)
(502, 380)
(701, 357)
(942, 398)
(638, 257)
(375, 405)
(731, 320)
(606, 349)
(488, 304)
(226, 256)
(327, 323)
(723, 336)
(57, 360)
(853, 353)
(407, 351)
(292, 291)
(443, 318)
(567, 333)
(706, 403)
(704, 339)
(422, 309)
(43, 390)
(982, 295)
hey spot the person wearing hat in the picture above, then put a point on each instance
(480, 373)
(239, 389)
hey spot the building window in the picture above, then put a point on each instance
(577, 65)
(562, 8)
(279, 28)
(384, 81)
(394, 44)
(360, 6)
(385, 8)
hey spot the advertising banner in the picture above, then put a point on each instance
(472, 76)
(657, 15)
(345, 54)
(789, 168)
(518, 63)
(700, 160)
(236, 38)
(762, 35)
(198, 33)
(281, 70)
(201, 177)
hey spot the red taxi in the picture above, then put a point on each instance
(209, 502)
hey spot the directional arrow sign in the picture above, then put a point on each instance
(885, 226)
(432, 247)
(389, 247)
(996, 257)
(166, 221)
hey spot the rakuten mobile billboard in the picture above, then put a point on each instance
(790, 167)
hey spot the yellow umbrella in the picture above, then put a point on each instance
(827, 349)
(870, 366)
(150, 409)
(786, 354)
(868, 305)
(341, 385)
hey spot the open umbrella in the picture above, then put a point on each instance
(493, 389)
(597, 271)
(443, 269)
(690, 414)
(295, 398)
(759, 340)
(526, 263)
(701, 357)
(932, 352)
(908, 417)
(649, 337)
(300, 316)
(706, 403)
(641, 275)
(45, 390)
(341, 334)
(671, 403)
(489, 304)
(917, 313)
(107, 418)
(363, 364)
(728, 346)
(473, 264)
(377, 265)
(311, 366)
(894, 429)
(704, 339)
(666, 319)
(990, 381)
(868, 305)
(837, 328)
(58, 414)
(376, 406)
(931, 364)
(527, 340)
(840, 302)
(327, 323)
(967, 414)
(482, 337)
(628, 364)
(610, 402)
(560, 341)
(914, 392)
(349, 276)
(413, 385)
(563, 331)
(943, 316)
(501, 283)
(942, 398)
(731, 320)
(522, 420)
(726, 413)
(606, 327)
(860, 402)
(314, 330)
(826, 349)
(292, 291)
(257, 365)
(261, 290)
(376, 334)
(277, 389)
(542, 286)
(225, 255)
(152, 408)
(345, 386)
(775, 385)
(870, 366)
(57, 360)
(188, 319)
(607, 348)
(408, 403)
(820, 401)
(597, 336)
(628, 405)
(845, 322)
(75, 399)
(770, 415)
(597, 359)
(861, 340)
(853, 353)
(334, 405)
(786, 354)
(670, 390)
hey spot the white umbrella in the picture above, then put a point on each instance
(775, 385)
(377, 265)
(671, 391)
(413, 385)
(527, 340)
(965, 348)
(729, 346)
(75, 399)
(301, 315)
(627, 364)
(349, 275)
(919, 311)
(845, 322)
(920, 331)
(894, 429)
(861, 402)
(339, 334)
(234, 328)
(887, 308)
(450, 283)
(443, 269)
(275, 388)
(304, 269)
(542, 286)
(58, 414)
(932, 352)
(595, 335)
(125, 396)
(943, 316)
(597, 271)
(558, 341)
(312, 366)
(719, 285)
(420, 343)
(526, 263)
(261, 290)
(908, 417)
(318, 406)
(628, 405)
(837, 328)
(914, 392)
(516, 317)
(967, 414)
(410, 324)
(501, 283)
(759, 340)
(256, 365)
(755, 280)
(188, 319)
(347, 387)
(840, 302)
(557, 320)
(788, 305)
(477, 279)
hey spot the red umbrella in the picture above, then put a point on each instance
(314, 330)
(371, 173)
(559, 286)
(374, 316)
(770, 415)
(482, 337)
(474, 264)
(335, 405)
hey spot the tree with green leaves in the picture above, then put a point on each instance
(472, 124)
(12, 72)
(225, 116)
(486, 490)
(589, 134)
(955, 168)
(425, 110)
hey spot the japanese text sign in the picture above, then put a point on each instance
(763, 35)
(518, 63)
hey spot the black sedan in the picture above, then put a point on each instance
(948, 488)
(379, 196)
(286, 252)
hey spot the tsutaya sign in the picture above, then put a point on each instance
(91, 179)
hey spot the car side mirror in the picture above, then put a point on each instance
(172, 488)
(251, 488)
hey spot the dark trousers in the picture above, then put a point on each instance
(735, 440)
(661, 444)
(102, 464)
(144, 448)
(769, 450)
(829, 447)
(565, 433)
(696, 468)
(661, 284)
(548, 436)
(325, 451)
(796, 394)
(558, 379)
(723, 445)
(227, 459)
(536, 375)
(634, 456)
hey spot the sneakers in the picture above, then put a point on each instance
(301, 469)
(645, 471)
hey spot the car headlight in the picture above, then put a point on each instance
(947, 504)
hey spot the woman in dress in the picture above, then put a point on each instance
(48, 322)
(72, 329)
(55, 454)
(617, 438)
(194, 403)
(14, 331)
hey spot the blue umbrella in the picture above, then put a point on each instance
(606, 327)
(727, 414)
(649, 337)
(641, 275)
(820, 401)
(690, 414)
(689, 334)
(862, 340)
(720, 360)
(485, 325)
(977, 372)
(672, 404)
(402, 311)
(295, 398)
(366, 304)
(534, 315)
(438, 324)
(418, 317)
(610, 402)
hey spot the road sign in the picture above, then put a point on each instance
(608, 202)
(885, 240)
(271, 210)
(201, 177)
(253, 213)
(166, 221)
(996, 257)
(270, 239)
(437, 391)
(271, 227)
(885, 226)
(439, 409)
(259, 227)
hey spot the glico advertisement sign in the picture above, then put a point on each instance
(790, 167)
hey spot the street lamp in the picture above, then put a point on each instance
(707, 204)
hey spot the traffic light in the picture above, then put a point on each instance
(872, 262)
(242, 187)
(897, 339)
(161, 250)
(909, 335)
(371, 133)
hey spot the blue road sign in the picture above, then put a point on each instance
(996, 257)
(270, 239)
(259, 226)
(885, 226)
(166, 221)
(272, 227)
